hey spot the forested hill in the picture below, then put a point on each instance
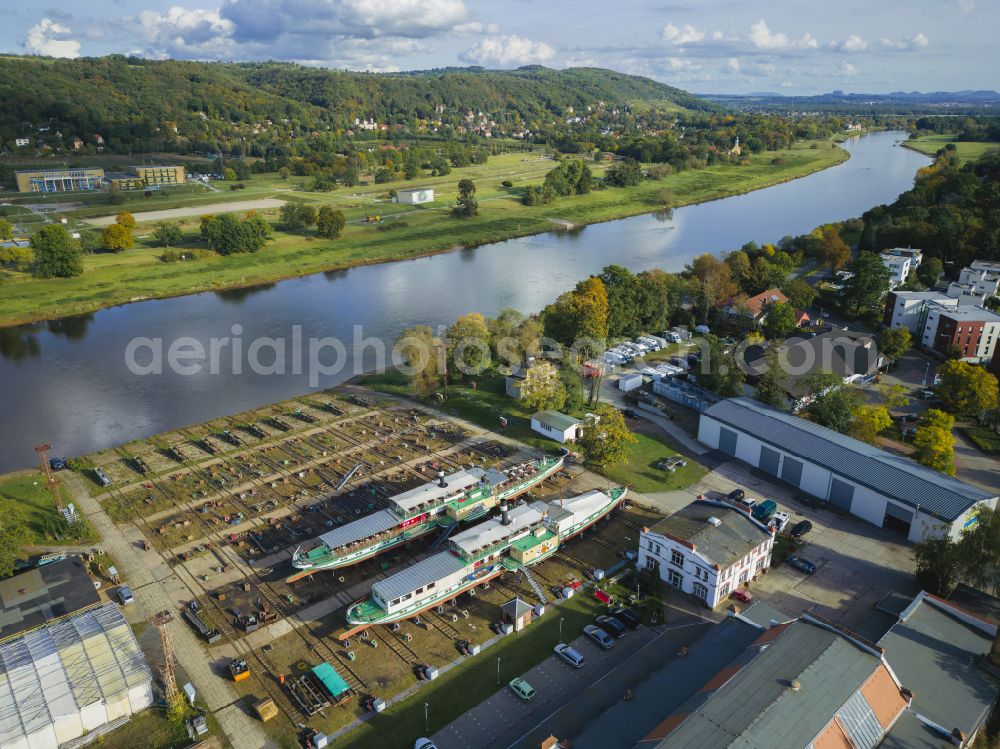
(139, 103)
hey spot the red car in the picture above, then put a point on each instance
(743, 595)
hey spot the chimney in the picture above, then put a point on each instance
(794, 685)
(441, 482)
(505, 514)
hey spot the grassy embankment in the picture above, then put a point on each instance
(408, 231)
(488, 402)
(28, 491)
(967, 150)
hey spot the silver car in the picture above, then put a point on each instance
(568, 654)
(599, 636)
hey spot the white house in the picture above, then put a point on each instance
(899, 268)
(556, 425)
(708, 549)
(885, 489)
(415, 196)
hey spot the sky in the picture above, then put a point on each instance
(705, 46)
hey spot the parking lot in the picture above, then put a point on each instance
(857, 563)
(566, 696)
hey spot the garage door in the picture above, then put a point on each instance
(769, 460)
(841, 494)
(791, 470)
(727, 441)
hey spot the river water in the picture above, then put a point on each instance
(67, 382)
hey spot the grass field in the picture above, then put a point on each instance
(407, 231)
(967, 150)
(488, 402)
(28, 491)
(985, 439)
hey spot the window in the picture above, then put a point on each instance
(650, 564)
(418, 591)
(430, 585)
(408, 596)
(701, 591)
(677, 558)
(675, 579)
(760, 564)
(724, 591)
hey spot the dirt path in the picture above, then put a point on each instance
(194, 210)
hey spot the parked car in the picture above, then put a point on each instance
(599, 636)
(57, 464)
(102, 477)
(743, 595)
(779, 521)
(125, 596)
(611, 625)
(801, 528)
(631, 413)
(908, 417)
(629, 617)
(424, 744)
(522, 689)
(747, 504)
(735, 495)
(568, 654)
(802, 565)
(927, 394)
(765, 510)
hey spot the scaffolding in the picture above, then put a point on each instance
(160, 621)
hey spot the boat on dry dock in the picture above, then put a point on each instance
(522, 536)
(461, 497)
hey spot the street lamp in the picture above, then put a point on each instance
(427, 720)
(927, 369)
(560, 628)
(498, 670)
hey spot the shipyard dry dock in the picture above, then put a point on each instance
(226, 503)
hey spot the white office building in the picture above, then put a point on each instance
(415, 196)
(708, 549)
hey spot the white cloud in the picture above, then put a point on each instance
(507, 52)
(906, 44)
(51, 39)
(679, 63)
(847, 68)
(686, 34)
(732, 65)
(762, 38)
(260, 20)
(183, 32)
(853, 43)
(476, 27)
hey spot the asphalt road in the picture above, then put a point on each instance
(567, 698)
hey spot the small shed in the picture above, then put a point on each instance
(556, 425)
(415, 196)
(517, 613)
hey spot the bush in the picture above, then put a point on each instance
(506, 183)
(173, 256)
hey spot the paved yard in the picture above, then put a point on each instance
(857, 562)
(567, 697)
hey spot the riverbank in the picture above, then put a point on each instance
(114, 279)
(931, 144)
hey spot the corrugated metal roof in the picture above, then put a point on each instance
(901, 479)
(361, 528)
(726, 543)
(756, 708)
(493, 530)
(430, 492)
(430, 570)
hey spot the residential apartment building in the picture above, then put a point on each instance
(708, 549)
(972, 331)
(899, 267)
(908, 309)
